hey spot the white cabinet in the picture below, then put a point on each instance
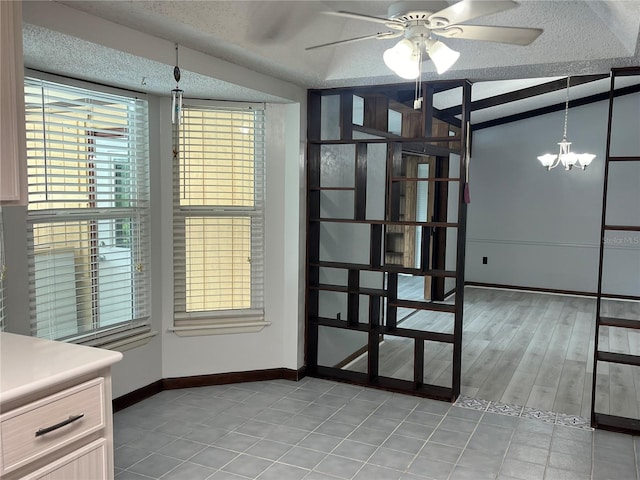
(55, 410)
(13, 186)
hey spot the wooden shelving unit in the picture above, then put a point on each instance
(369, 117)
(604, 360)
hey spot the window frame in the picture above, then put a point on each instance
(241, 320)
(135, 330)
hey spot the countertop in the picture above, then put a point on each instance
(29, 364)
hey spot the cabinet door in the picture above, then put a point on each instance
(13, 155)
(88, 463)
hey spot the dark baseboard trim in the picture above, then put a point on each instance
(529, 289)
(232, 377)
(136, 396)
(158, 386)
(550, 290)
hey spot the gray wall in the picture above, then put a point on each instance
(542, 229)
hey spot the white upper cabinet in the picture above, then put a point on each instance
(13, 159)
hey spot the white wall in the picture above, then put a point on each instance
(167, 355)
(542, 229)
(276, 345)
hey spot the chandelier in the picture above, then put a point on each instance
(565, 156)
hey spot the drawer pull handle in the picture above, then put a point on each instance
(69, 420)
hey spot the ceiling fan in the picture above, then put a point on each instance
(417, 27)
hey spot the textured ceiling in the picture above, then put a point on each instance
(270, 37)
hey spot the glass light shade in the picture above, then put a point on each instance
(410, 69)
(443, 57)
(398, 55)
(547, 159)
(568, 160)
(585, 159)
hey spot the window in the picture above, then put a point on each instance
(218, 216)
(87, 221)
(3, 274)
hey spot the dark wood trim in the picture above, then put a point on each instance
(551, 290)
(386, 222)
(158, 386)
(387, 384)
(450, 292)
(614, 423)
(136, 396)
(523, 93)
(620, 322)
(416, 139)
(599, 97)
(232, 377)
(438, 236)
(618, 358)
(352, 357)
(409, 87)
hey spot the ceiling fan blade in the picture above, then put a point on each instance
(378, 36)
(469, 9)
(360, 16)
(511, 35)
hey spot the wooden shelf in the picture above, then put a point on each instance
(620, 322)
(619, 358)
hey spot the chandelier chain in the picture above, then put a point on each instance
(566, 110)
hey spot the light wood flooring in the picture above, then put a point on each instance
(523, 348)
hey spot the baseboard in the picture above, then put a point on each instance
(136, 396)
(232, 377)
(551, 290)
(158, 386)
(530, 289)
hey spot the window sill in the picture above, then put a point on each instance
(220, 328)
(130, 343)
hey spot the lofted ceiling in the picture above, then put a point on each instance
(270, 38)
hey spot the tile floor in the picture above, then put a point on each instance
(317, 429)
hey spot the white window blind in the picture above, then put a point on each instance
(88, 185)
(3, 275)
(219, 215)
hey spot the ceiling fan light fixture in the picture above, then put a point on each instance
(404, 59)
(442, 56)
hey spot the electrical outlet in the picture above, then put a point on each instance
(484, 260)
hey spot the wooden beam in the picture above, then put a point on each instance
(523, 93)
(555, 108)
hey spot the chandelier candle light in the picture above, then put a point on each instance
(565, 155)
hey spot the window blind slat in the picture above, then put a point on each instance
(88, 212)
(218, 213)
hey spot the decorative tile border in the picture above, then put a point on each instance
(523, 412)
(505, 409)
(538, 414)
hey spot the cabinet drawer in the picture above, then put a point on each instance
(41, 427)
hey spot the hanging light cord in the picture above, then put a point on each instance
(566, 110)
(176, 71)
